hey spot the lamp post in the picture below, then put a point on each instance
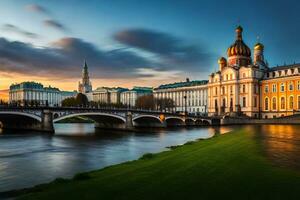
(185, 104)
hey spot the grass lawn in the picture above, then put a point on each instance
(228, 166)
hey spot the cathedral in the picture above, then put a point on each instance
(246, 86)
(85, 86)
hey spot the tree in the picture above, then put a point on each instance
(82, 100)
(165, 104)
(145, 102)
(69, 102)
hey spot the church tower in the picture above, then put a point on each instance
(85, 86)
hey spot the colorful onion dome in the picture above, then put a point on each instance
(239, 48)
(222, 60)
(259, 46)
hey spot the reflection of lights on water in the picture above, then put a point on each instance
(281, 143)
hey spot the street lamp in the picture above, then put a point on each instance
(185, 105)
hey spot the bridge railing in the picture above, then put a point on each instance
(96, 109)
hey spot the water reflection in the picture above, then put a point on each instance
(30, 159)
(280, 143)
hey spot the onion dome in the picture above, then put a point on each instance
(239, 48)
(259, 46)
(222, 60)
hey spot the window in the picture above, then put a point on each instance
(231, 89)
(274, 103)
(298, 85)
(291, 86)
(230, 76)
(255, 102)
(298, 102)
(282, 103)
(266, 89)
(226, 76)
(274, 88)
(244, 101)
(291, 102)
(266, 103)
(216, 90)
(223, 90)
(244, 88)
(292, 71)
(282, 87)
(244, 75)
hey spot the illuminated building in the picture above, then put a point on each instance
(234, 88)
(85, 86)
(189, 96)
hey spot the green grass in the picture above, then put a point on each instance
(229, 166)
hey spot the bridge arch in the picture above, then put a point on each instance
(189, 121)
(93, 115)
(175, 121)
(22, 114)
(147, 121)
(19, 120)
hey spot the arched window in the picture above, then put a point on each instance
(282, 103)
(224, 103)
(282, 87)
(274, 103)
(291, 102)
(266, 103)
(291, 86)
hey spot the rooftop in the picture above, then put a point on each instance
(283, 67)
(183, 84)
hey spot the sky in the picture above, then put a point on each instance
(136, 42)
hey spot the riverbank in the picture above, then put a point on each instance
(229, 166)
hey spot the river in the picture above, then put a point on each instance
(27, 159)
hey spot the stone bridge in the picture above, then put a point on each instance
(42, 118)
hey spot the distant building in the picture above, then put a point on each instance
(129, 97)
(190, 96)
(31, 93)
(101, 95)
(115, 94)
(108, 95)
(85, 86)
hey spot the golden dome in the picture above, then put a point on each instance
(239, 48)
(259, 46)
(222, 60)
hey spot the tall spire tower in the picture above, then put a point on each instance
(85, 86)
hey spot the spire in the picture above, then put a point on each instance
(239, 31)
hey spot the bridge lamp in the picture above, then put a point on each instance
(162, 117)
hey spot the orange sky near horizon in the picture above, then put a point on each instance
(72, 84)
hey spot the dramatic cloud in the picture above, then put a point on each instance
(54, 24)
(169, 48)
(14, 29)
(48, 22)
(65, 57)
(36, 8)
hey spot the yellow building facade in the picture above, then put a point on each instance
(247, 86)
(280, 91)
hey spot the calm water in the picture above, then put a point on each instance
(29, 159)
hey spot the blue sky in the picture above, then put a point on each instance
(130, 42)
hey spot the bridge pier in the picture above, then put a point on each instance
(47, 121)
(129, 122)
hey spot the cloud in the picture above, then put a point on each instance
(63, 58)
(170, 49)
(14, 29)
(37, 8)
(54, 24)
